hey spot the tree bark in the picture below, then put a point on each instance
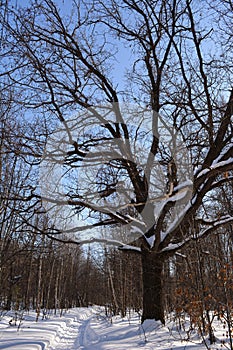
(152, 271)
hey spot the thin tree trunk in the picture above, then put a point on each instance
(56, 292)
(152, 272)
(30, 272)
(39, 291)
(51, 275)
(115, 303)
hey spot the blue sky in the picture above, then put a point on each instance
(123, 57)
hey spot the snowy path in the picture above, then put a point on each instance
(69, 332)
(74, 334)
(89, 329)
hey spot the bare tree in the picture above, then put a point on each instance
(62, 64)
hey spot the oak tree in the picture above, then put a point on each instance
(122, 165)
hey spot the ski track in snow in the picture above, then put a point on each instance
(90, 329)
(66, 337)
(76, 333)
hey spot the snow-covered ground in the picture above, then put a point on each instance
(90, 329)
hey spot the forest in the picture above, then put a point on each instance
(116, 158)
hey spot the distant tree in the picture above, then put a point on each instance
(62, 62)
(13, 180)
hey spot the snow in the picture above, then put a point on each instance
(174, 246)
(223, 153)
(150, 240)
(129, 247)
(223, 221)
(90, 329)
(214, 166)
(176, 222)
(186, 184)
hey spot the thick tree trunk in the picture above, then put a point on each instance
(152, 270)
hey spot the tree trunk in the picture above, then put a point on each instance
(39, 291)
(152, 270)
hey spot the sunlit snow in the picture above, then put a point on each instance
(90, 329)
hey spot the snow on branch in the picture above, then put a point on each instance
(176, 222)
(225, 220)
(214, 222)
(216, 167)
(119, 244)
(218, 183)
